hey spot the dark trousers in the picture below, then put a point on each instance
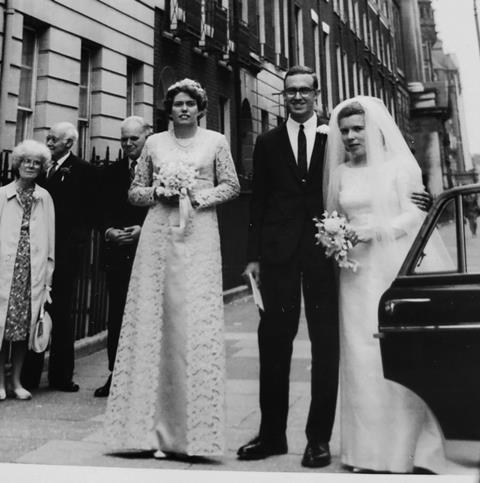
(62, 353)
(118, 278)
(282, 284)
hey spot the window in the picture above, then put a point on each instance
(358, 27)
(316, 48)
(361, 81)
(346, 77)
(351, 15)
(224, 114)
(277, 27)
(328, 65)
(26, 94)
(285, 29)
(341, 92)
(244, 10)
(133, 79)
(355, 79)
(264, 119)
(299, 38)
(84, 101)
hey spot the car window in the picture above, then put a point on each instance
(439, 254)
(471, 210)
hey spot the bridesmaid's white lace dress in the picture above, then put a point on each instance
(169, 379)
(384, 426)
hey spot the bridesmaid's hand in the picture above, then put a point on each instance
(168, 200)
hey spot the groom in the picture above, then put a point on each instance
(283, 258)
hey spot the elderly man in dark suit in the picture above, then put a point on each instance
(71, 183)
(122, 225)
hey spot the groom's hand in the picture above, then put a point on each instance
(422, 199)
(254, 269)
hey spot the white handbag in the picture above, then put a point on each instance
(42, 331)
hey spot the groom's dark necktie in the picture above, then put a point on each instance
(302, 152)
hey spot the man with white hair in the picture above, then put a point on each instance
(71, 183)
(121, 224)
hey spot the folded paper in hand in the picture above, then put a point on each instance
(257, 296)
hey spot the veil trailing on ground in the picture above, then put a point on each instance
(387, 156)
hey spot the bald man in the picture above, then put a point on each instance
(122, 224)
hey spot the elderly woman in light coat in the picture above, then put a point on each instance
(27, 238)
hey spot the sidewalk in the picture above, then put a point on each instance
(56, 428)
(62, 428)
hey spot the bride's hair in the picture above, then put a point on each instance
(352, 109)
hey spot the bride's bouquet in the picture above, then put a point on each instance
(176, 178)
(332, 234)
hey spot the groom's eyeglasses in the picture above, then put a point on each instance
(303, 91)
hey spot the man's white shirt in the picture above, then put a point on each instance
(310, 129)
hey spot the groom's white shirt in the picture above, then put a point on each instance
(310, 132)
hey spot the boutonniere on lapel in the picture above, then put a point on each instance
(64, 171)
(323, 129)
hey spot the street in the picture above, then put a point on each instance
(57, 428)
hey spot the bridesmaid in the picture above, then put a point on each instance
(169, 379)
(27, 238)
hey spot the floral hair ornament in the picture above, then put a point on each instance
(192, 84)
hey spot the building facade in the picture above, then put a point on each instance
(88, 62)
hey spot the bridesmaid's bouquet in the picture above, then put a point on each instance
(332, 234)
(176, 178)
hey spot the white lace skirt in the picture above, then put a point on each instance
(168, 386)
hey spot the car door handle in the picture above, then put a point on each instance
(391, 304)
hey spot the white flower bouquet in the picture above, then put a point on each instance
(176, 178)
(332, 234)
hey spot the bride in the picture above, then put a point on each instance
(369, 177)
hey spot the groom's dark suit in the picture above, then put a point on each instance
(282, 239)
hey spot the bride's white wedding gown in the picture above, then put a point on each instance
(384, 426)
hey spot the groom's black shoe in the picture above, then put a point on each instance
(316, 455)
(104, 391)
(257, 449)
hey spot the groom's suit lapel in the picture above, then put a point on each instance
(316, 160)
(286, 149)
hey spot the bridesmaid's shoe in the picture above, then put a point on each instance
(159, 455)
(3, 394)
(22, 394)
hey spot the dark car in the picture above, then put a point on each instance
(429, 318)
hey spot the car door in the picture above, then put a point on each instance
(429, 319)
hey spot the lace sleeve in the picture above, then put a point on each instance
(227, 186)
(141, 192)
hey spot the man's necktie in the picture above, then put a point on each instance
(53, 169)
(302, 152)
(133, 163)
